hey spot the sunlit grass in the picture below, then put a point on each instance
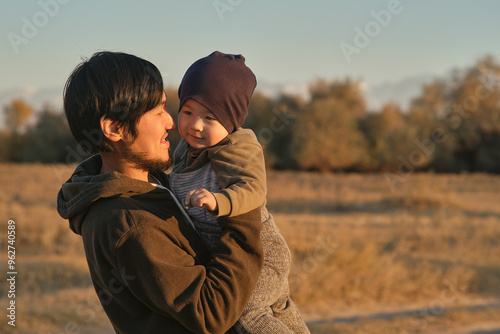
(356, 245)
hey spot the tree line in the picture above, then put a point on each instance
(453, 125)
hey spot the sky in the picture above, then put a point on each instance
(289, 42)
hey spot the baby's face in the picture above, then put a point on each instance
(198, 126)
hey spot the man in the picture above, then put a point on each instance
(147, 263)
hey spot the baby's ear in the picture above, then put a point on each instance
(111, 129)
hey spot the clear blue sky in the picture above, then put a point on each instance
(283, 41)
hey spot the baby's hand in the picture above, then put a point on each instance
(201, 198)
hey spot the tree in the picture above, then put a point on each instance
(284, 115)
(347, 91)
(17, 114)
(477, 110)
(466, 108)
(326, 133)
(259, 111)
(271, 119)
(4, 146)
(389, 137)
(49, 139)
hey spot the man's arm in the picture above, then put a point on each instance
(204, 299)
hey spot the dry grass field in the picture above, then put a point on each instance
(424, 258)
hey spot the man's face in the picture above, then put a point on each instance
(149, 151)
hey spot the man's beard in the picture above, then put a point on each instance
(139, 160)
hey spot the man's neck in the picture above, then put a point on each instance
(112, 162)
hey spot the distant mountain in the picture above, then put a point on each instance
(401, 92)
(292, 88)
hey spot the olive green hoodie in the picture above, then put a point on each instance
(148, 265)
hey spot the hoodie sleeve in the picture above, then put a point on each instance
(204, 299)
(241, 169)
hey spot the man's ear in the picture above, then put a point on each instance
(111, 129)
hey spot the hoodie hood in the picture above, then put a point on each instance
(86, 186)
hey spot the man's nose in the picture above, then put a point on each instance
(169, 123)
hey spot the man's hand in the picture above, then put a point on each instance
(201, 198)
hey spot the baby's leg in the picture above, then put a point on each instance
(258, 316)
(261, 320)
(286, 311)
(269, 302)
(281, 318)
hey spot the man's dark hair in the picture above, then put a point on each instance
(118, 86)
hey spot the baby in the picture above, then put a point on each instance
(219, 170)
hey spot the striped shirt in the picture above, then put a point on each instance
(205, 223)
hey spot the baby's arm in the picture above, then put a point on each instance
(240, 168)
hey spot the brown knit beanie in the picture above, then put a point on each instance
(223, 84)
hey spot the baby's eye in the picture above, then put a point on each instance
(210, 118)
(187, 112)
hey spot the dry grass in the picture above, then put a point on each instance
(454, 321)
(356, 245)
